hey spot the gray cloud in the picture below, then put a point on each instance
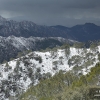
(52, 12)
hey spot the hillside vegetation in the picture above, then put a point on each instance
(50, 74)
(64, 86)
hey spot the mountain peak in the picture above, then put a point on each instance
(90, 24)
(2, 18)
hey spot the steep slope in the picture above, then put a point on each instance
(18, 75)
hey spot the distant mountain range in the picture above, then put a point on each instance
(27, 29)
(82, 33)
(25, 35)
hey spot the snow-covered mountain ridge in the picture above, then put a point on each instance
(10, 46)
(18, 75)
(29, 43)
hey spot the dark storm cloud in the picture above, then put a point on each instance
(52, 12)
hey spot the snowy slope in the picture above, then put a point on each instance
(28, 43)
(10, 46)
(18, 75)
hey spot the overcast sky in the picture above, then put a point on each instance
(52, 12)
